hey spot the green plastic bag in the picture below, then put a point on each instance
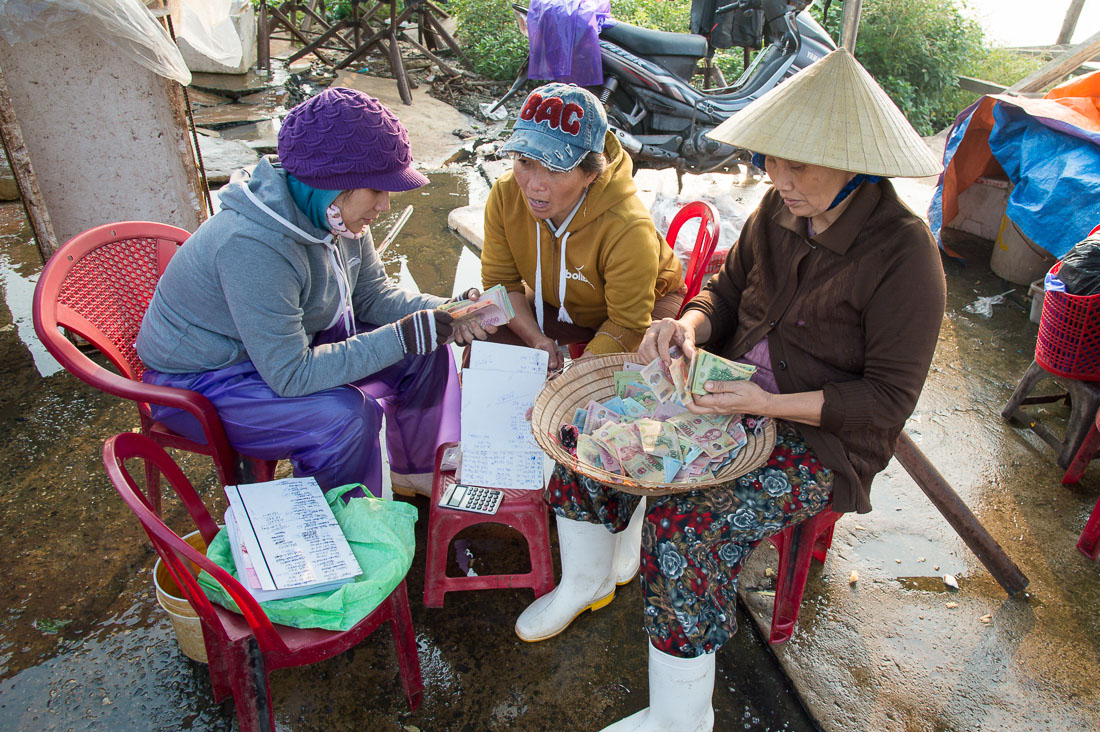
(382, 539)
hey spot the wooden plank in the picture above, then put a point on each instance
(20, 158)
(1058, 68)
(849, 24)
(979, 86)
(1070, 23)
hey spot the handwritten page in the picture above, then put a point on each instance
(290, 535)
(502, 357)
(498, 450)
(502, 468)
(494, 409)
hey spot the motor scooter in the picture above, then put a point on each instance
(653, 108)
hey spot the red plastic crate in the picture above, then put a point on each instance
(1069, 335)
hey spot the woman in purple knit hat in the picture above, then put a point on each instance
(279, 311)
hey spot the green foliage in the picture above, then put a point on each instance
(488, 34)
(998, 65)
(915, 49)
(655, 14)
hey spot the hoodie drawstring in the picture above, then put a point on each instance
(563, 314)
(343, 282)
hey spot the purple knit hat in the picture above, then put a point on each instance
(343, 139)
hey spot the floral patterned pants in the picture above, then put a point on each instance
(694, 543)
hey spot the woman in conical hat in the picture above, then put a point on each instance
(835, 292)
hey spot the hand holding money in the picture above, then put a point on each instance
(727, 397)
(662, 335)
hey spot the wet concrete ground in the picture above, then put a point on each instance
(84, 645)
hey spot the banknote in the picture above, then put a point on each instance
(694, 470)
(642, 394)
(588, 451)
(493, 307)
(708, 367)
(658, 438)
(643, 467)
(665, 410)
(615, 404)
(623, 378)
(634, 409)
(621, 439)
(704, 433)
(579, 415)
(680, 373)
(671, 467)
(597, 416)
(648, 431)
(607, 457)
(657, 378)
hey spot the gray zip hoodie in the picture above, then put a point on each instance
(260, 284)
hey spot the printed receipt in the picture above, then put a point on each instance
(290, 534)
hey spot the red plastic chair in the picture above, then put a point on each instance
(523, 510)
(797, 545)
(244, 648)
(98, 286)
(706, 241)
(1089, 543)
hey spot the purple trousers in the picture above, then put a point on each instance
(331, 435)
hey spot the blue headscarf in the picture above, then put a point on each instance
(314, 202)
(758, 161)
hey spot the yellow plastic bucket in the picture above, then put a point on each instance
(185, 621)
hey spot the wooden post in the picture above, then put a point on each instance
(33, 202)
(1070, 23)
(962, 520)
(849, 24)
(1058, 68)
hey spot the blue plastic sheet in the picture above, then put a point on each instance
(1048, 148)
(564, 37)
(1056, 198)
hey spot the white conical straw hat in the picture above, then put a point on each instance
(832, 114)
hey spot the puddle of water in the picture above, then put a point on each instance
(20, 265)
(426, 256)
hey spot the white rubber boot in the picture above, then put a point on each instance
(628, 546)
(680, 691)
(411, 484)
(587, 581)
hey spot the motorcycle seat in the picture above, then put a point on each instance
(646, 42)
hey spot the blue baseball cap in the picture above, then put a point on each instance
(558, 125)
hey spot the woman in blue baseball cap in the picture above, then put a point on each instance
(567, 236)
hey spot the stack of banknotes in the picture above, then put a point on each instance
(492, 308)
(645, 432)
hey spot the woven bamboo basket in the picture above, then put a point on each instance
(593, 378)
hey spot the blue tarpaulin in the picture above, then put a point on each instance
(1048, 148)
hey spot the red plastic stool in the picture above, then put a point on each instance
(523, 510)
(797, 545)
(1089, 543)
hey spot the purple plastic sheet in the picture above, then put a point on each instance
(564, 36)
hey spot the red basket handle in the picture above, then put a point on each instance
(1094, 230)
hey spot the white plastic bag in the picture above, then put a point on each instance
(125, 24)
(207, 25)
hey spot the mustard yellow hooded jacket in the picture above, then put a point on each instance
(617, 263)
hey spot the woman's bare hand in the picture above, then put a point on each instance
(731, 397)
(555, 361)
(662, 335)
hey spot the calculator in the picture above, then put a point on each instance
(472, 498)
